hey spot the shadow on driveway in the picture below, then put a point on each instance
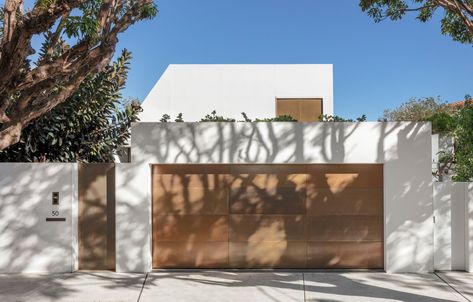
(221, 286)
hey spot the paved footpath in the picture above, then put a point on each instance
(221, 286)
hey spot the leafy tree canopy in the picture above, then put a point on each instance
(80, 40)
(90, 126)
(456, 22)
(456, 122)
(463, 135)
(416, 109)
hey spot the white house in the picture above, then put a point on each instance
(196, 90)
(307, 194)
(269, 195)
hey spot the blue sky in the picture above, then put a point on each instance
(376, 66)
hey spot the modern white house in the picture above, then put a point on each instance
(269, 195)
(196, 90)
(250, 195)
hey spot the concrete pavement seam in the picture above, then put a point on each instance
(449, 285)
(142, 287)
(303, 286)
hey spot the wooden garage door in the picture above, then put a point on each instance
(267, 216)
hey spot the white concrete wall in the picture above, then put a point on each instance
(27, 242)
(404, 148)
(450, 225)
(469, 229)
(453, 240)
(196, 90)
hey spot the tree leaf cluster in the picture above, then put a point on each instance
(91, 126)
(453, 121)
(456, 20)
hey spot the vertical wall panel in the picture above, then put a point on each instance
(96, 225)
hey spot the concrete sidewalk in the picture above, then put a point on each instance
(221, 286)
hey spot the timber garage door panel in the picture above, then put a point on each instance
(345, 214)
(268, 216)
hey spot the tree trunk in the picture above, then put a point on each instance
(9, 135)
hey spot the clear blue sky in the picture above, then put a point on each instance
(376, 66)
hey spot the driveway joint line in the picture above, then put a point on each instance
(142, 287)
(303, 285)
(449, 285)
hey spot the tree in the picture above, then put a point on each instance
(82, 36)
(414, 110)
(463, 135)
(460, 126)
(457, 20)
(91, 125)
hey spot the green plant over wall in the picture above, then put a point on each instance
(90, 126)
(336, 118)
(213, 117)
(456, 122)
(460, 127)
(416, 109)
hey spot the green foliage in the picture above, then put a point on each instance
(245, 117)
(213, 117)
(90, 126)
(414, 110)
(447, 120)
(179, 118)
(281, 118)
(452, 23)
(85, 23)
(336, 118)
(45, 3)
(165, 118)
(80, 26)
(463, 135)
(148, 11)
(442, 122)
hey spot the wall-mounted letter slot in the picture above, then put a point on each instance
(55, 198)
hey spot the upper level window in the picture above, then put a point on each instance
(303, 110)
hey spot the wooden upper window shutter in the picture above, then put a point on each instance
(303, 110)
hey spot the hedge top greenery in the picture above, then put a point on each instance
(213, 117)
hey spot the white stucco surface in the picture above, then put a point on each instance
(451, 225)
(28, 243)
(195, 90)
(469, 229)
(403, 148)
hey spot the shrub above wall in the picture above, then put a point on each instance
(213, 117)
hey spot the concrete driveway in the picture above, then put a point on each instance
(210, 286)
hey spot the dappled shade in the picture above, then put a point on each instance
(267, 216)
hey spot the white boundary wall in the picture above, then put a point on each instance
(453, 236)
(404, 149)
(469, 229)
(197, 89)
(27, 242)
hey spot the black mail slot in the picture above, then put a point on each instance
(56, 219)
